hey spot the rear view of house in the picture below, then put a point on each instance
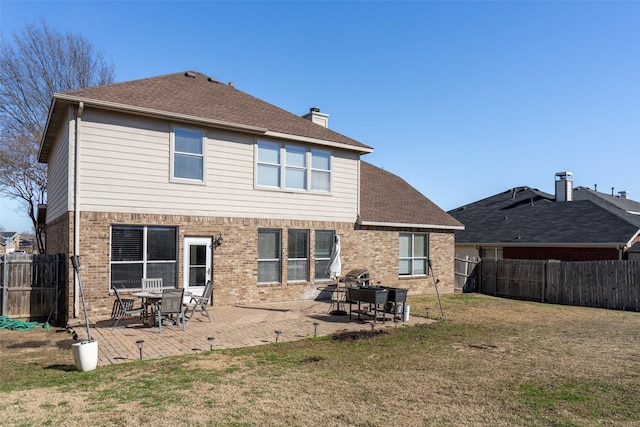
(184, 178)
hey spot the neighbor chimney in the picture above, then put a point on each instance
(317, 117)
(564, 186)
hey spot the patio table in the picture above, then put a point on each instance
(148, 300)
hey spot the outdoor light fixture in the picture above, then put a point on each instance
(140, 342)
(315, 328)
(278, 332)
(210, 339)
(218, 241)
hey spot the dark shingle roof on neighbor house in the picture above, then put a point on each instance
(195, 97)
(387, 199)
(526, 216)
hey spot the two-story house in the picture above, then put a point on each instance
(185, 178)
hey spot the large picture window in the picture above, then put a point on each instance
(139, 252)
(293, 167)
(269, 256)
(324, 244)
(414, 252)
(298, 256)
(188, 154)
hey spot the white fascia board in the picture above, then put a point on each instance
(159, 113)
(361, 150)
(630, 242)
(403, 225)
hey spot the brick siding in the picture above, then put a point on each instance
(235, 265)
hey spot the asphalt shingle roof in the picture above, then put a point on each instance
(197, 96)
(525, 215)
(387, 198)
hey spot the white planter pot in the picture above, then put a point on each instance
(85, 355)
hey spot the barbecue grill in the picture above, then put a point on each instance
(357, 277)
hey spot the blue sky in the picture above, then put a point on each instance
(461, 99)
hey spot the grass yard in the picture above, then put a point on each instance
(491, 362)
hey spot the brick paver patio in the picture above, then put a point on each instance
(237, 326)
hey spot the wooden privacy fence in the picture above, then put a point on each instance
(465, 274)
(603, 284)
(33, 286)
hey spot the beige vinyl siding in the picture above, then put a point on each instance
(59, 177)
(125, 167)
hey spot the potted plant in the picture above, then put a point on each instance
(85, 353)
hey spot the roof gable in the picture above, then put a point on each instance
(387, 199)
(194, 96)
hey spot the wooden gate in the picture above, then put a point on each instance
(466, 277)
(33, 286)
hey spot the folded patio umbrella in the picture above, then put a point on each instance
(335, 266)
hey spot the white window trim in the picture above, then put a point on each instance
(265, 260)
(283, 168)
(172, 177)
(307, 259)
(413, 257)
(145, 255)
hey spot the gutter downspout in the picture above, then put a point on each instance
(76, 207)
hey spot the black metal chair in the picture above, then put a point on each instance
(171, 304)
(201, 302)
(124, 307)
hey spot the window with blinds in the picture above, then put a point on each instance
(139, 252)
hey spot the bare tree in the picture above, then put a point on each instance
(34, 64)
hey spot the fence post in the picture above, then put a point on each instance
(5, 283)
(544, 279)
(495, 282)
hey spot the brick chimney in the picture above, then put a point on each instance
(564, 186)
(317, 117)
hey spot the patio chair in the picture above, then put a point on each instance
(201, 302)
(170, 304)
(124, 307)
(152, 285)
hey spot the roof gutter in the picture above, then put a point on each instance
(361, 150)
(546, 245)
(150, 112)
(158, 113)
(404, 225)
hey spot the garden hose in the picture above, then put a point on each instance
(16, 325)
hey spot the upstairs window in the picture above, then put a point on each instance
(188, 154)
(268, 164)
(295, 172)
(293, 167)
(320, 170)
(414, 252)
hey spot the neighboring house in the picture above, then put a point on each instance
(186, 178)
(573, 225)
(9, 242)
